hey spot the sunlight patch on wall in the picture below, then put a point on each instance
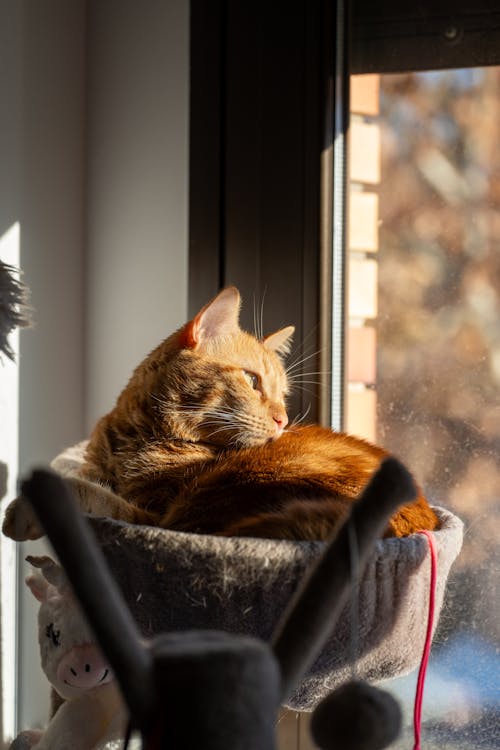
(9, 440)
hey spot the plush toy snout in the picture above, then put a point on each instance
(84, 667)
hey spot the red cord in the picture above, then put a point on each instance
(417, 713)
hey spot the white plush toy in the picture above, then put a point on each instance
(93, 712)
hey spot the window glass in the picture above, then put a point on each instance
(424, 365)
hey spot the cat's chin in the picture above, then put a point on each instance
(273, 438)
(252, 442)
(258, 442)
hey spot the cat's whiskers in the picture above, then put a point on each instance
(168, 407)
(304, 343)
(255, 331)
(225, 411)
(300, 418)
(162, 402)
(246, 428)
(184, 407)
(261, 329)
(236, 439)
(302, 378)
(175, 410)
(226, 418)
(258, 317)
(303, 357)
(299, 382)
(308, 391)
(221, 424)
(300, 361)
(302, 383)
(308, 372)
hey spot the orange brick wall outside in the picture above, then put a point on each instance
(363, 236)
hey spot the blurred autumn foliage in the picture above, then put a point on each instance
(438, 328)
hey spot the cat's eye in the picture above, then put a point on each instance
(252, 378)
(53, 634)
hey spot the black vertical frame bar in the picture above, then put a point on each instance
(255, 146)
(207, 150)
(333, 221)
(272, 172)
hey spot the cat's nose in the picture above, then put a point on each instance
(281, 420)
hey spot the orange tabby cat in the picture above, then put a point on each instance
(198, 442)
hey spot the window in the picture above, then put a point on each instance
(422, 300)
(425, 349)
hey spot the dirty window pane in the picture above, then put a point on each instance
(438, 364)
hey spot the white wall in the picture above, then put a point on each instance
(43, 82)
(97, 145)
(137, 199)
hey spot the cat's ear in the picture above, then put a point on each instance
(218, 318)
(280, 341)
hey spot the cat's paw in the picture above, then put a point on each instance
(26, 740)
(20, 522)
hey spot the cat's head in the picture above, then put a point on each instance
(219, 384)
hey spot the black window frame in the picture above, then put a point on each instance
(268, 101)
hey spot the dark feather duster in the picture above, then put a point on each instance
(14, 310)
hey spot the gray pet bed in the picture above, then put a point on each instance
(179, 581)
